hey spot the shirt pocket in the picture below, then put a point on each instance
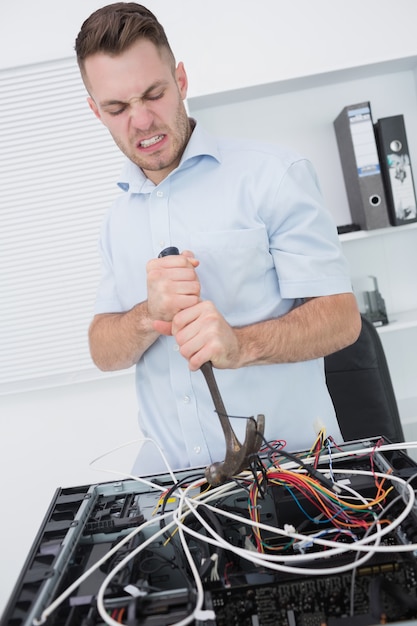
(233, 270)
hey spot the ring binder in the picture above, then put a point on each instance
(365, 190)
(396, 169)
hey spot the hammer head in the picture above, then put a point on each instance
(238, 456)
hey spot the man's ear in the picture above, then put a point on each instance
(94, 107)
(182, 80)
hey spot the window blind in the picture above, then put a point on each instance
(58, 172)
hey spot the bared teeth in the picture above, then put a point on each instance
(150, 142)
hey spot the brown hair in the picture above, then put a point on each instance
(115, 27)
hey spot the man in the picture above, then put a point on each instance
(260, 289)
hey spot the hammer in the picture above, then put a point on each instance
(238, 456)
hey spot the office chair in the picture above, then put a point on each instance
(360, 386)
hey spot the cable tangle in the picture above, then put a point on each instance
(325, 534)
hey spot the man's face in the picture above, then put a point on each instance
(140, 101)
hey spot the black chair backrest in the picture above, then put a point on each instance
(360, 385)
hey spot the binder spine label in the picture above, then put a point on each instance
(363, 138)
(401, 181)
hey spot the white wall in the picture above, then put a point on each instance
(48, 437)
(232, 44)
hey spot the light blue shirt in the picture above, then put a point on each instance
(253, 215)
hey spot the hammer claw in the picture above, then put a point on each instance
(238, 456)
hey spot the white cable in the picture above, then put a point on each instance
(64, 595)
(69, 590)
(200, 591)
(387, 529)
(321, 571)
(100, 596)
(270, 561)
(187, 505)
(340, 454)
(132, 476)
(359, 546)
(58, 601)
(199, 586)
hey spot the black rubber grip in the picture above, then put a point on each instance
(168, 251)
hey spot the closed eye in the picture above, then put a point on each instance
(114, 107)
(157, 96)
(151, 94)
(117, 111)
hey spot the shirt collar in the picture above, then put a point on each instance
(200, 144)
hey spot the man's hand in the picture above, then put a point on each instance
(173, 285)
(318, 327)
(118, 340)
(203, 334)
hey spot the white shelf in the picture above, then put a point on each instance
(390, 255)
(377, 232)
(399, 321)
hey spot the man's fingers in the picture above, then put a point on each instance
(164, 328)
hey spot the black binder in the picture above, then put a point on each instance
(361, 168)
(396, 169)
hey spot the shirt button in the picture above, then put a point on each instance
(186, 399)
(176, 347)
(197, 449)
(160, 194)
